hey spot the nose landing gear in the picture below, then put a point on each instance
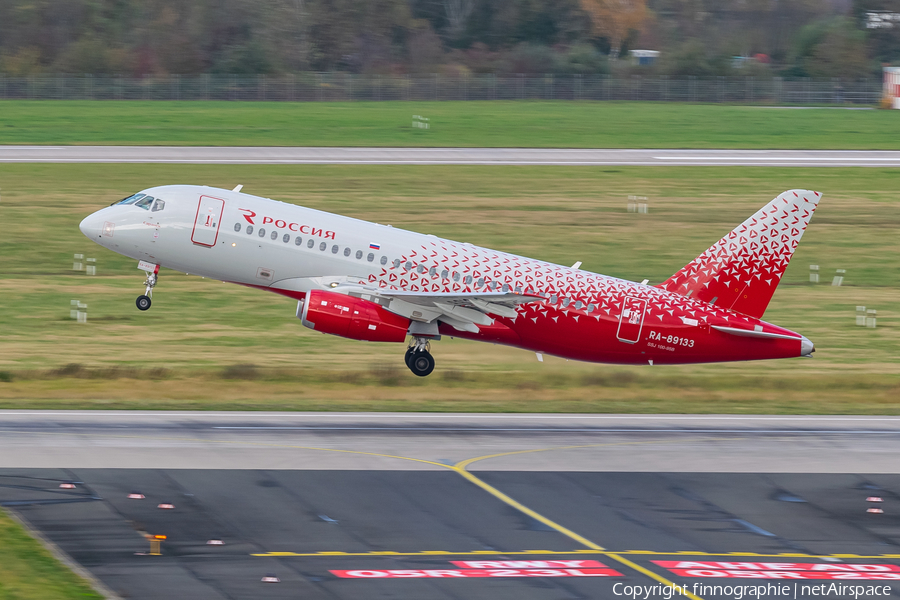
(143, 301)
(418, 358)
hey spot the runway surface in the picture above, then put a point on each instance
(431, 441)
(446, 156)
(458, 506)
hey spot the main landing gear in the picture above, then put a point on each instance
(418, 358)
(143, 301)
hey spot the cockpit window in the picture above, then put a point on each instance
(160, 205)
(145, 202)
(130, 199)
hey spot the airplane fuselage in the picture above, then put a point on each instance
(292, 250)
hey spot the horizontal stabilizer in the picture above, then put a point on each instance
(741, 271)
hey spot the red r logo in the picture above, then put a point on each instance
(248, 214)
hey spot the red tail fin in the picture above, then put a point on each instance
(742, 270)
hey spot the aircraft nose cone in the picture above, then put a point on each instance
(806, 346)
(90, 227)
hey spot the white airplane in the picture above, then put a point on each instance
(373, 282)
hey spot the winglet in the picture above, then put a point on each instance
(742, 270)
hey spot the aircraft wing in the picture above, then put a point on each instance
(462, 311)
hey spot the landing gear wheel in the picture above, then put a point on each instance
(143, 302)
(409, 354)
(421, 363)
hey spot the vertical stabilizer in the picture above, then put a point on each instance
(742, 270)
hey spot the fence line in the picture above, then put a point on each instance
(326, 87)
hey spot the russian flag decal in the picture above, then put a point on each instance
(375, 246)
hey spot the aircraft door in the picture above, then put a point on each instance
(631, 320)
(206, 223)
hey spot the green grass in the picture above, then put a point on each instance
(29, 572)
(181, 353)
(549, 124)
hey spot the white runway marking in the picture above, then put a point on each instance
(443, 156)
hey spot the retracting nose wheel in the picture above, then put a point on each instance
(143, 301)
(419, 359)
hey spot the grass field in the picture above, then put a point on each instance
(192, 350)
(489, 124)
(29, 572)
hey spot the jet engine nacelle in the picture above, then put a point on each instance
(352, 318)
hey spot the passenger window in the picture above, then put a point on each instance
(160, 205)
(371, 257)
(237, 226)
(565, 302)
(396, 263)
(384, 260)
(579, 305)
(455, 276)
(445, 274)
(432, 271)
(334, 249)
(310, 243)
(322, 246)
(554, 299)
(467, 280)
(249, 229)
(420, 269)
(298, 241)
(479, 283)
(145, 202)
(359, 254)
(262, 232)
(407, 266)
(518, 289)
(505, 288)
(591, 308)
(286, 238)
(346, 251)
(274, 235)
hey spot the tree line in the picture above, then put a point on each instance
(794, 38)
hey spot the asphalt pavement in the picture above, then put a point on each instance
(447, 156)
(458, 506)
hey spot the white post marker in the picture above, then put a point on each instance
(81, 316)
(870, 318)
(73, 312)
(838, 277)
(814, 273)
(77, 265)
(91, 268)
(861, 316)
(634, 204)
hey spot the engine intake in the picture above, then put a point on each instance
(351, 317)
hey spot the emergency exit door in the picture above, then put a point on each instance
(206, 223)
(631, 320)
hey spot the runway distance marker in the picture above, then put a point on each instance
(767, 566)
(732, 574)
(529, 564)
(470, 573)
(751, 570)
